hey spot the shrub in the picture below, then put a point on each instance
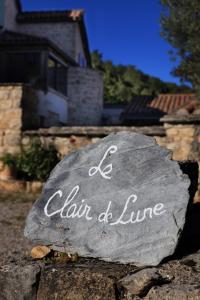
(8, 159)
(36, 162)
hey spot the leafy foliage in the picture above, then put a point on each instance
(180, 23)
(8, 159)
(121, 82)
(34, 163)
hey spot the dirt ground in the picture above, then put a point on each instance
(175, 279)
(13, 211)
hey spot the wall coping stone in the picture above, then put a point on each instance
(95, 131)
(14, 84)
(181, 119)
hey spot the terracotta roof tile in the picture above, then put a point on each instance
(165, 103)
(170, 103)
(147, 107)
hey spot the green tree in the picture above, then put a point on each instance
(180, 23)
(96, 58)
(122, 83)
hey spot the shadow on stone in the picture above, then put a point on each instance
(191, 168)
(190, 238)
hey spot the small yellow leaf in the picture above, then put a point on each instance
(40, 252)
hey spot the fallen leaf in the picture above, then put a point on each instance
(40, 252)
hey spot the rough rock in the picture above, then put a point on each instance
(140, 282)
(19, 282)
(79, 283)
(121, 199)
(91, 279)
(175, 292)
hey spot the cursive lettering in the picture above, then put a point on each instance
(140, 215)
(69, 210)
(105, 216)
(106, 170)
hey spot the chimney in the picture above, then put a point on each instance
(9, 9)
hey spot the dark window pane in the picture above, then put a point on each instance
(22, 68)
(61, 79)
(57, 76)
(52, 73)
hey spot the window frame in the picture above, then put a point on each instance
(57, 85)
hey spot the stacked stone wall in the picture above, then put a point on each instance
(10, 118)
(85, 92)
(183, 140)
(18, 113)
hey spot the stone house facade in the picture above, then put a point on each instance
(48, 52)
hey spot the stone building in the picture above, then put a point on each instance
(45, 59)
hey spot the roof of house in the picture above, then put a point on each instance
(139, 104)
(59, 16)
(170, 103)
(51, 16)
(114, 105)
(148, 107)
(10, 38)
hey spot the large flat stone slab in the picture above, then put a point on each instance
(121, 199)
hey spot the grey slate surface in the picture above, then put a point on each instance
(128, 175)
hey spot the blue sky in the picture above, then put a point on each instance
(124, 31)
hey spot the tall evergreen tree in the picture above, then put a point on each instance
(180, 23)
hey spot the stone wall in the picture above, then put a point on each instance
(79, 49)
(68, 139)
(182, 139)
(85, 92)
(10, 118)
(184, 142)
(18, 111)
(11, 12)
(179, 139)
(61, 34)
(195, 153)
(22, 107)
